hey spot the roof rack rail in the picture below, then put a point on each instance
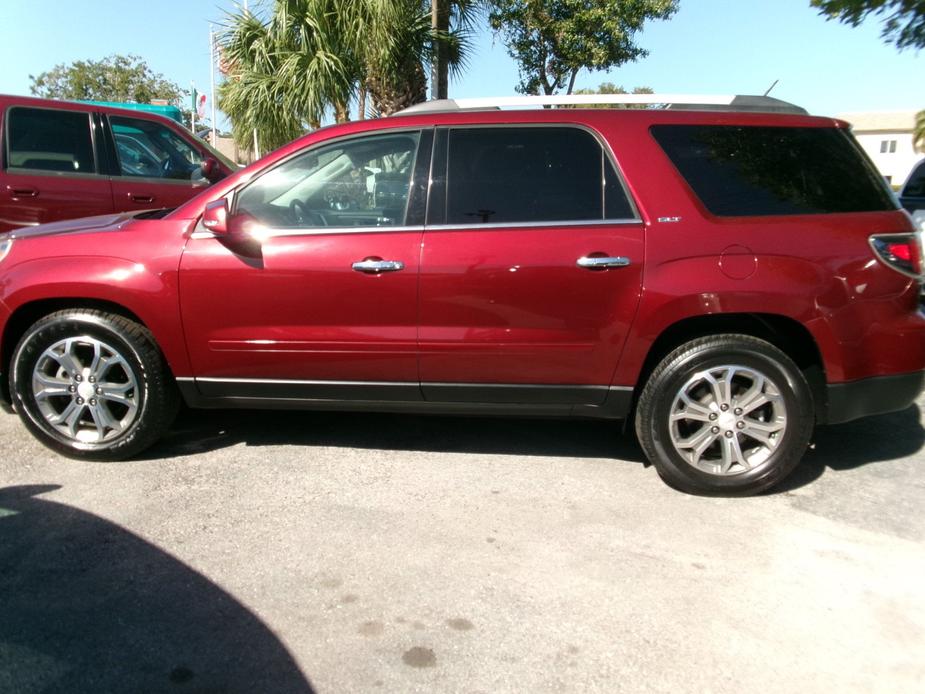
(765, 104)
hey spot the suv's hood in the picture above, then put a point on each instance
(103, 222)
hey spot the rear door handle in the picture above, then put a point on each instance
(602, 263)
(375, 266)
(141, 198)
(22, 192)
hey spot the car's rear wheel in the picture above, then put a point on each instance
(727, 414)
(93, 385)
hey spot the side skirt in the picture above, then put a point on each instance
(517, 400)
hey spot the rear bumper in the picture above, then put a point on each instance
(872, 396)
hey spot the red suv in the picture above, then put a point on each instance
(63, 159)
(725, 276)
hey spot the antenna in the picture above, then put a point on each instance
(771, 87)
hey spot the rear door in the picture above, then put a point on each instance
(51, 170)
(154, 165)
(531, 267)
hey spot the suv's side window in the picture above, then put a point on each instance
(524, 174)
(49, 140)
(915, 186)
(358, 182)
(152, 150)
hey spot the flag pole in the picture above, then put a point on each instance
(212, 80)
(192, 120)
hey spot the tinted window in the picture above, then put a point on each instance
(737, 170)
(915, 186)
(499, 175)
(50, 140)
(360, 182)
(150, 149)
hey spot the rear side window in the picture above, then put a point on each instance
(757, 171)
(510, 175)
(49, 140)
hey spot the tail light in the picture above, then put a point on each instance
(901, 252)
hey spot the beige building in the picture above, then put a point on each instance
(886, 136)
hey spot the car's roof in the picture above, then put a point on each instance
(8, 100)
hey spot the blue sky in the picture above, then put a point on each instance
(711, 46)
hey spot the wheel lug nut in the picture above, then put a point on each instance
(724, 407)
(99, 390)
(80, 401)
(92, 379)
(741, 425)
(738, 411)
(92, 401)
(713, 416)
(715, 430)
(728, 434)
(78, 378)
(72, 389)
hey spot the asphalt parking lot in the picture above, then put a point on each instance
(276, 552)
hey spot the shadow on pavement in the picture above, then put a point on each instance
(862, 442)
(198, 431)
(86, 606)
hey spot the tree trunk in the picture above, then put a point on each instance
(439, 72)
(571, 82)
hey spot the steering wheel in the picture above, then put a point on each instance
(303, 216)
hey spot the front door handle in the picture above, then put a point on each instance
(602, 262)
(22, 192)
(375, 266)
(141, 198)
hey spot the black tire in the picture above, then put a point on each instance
(125, 415)
(701, 473)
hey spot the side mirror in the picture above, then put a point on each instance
(211, 170)
(215, 216)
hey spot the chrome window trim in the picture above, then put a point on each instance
(43, 172)
(534, 225)
(331, 231)
(600, 139)
(152, 179)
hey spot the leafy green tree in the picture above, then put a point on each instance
(904, 23)
(124, 78)
(918, 135)
(611, 88)
(552, 40)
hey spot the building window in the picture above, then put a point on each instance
(887, 146)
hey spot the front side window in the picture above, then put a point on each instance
(351, 183)
(538, 174)
(759, 171)
(152, 150)
(50, 140)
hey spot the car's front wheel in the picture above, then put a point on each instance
(726, 414)
(93, 385)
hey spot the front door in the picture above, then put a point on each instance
(531, 267)
(322, 303)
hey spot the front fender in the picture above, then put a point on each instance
(149, 293)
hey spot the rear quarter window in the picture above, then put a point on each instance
(763, 171)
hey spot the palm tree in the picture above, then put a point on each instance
(286, 73)
(312, 58)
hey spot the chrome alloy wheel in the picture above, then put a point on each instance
(85, 390)
(727, 420)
